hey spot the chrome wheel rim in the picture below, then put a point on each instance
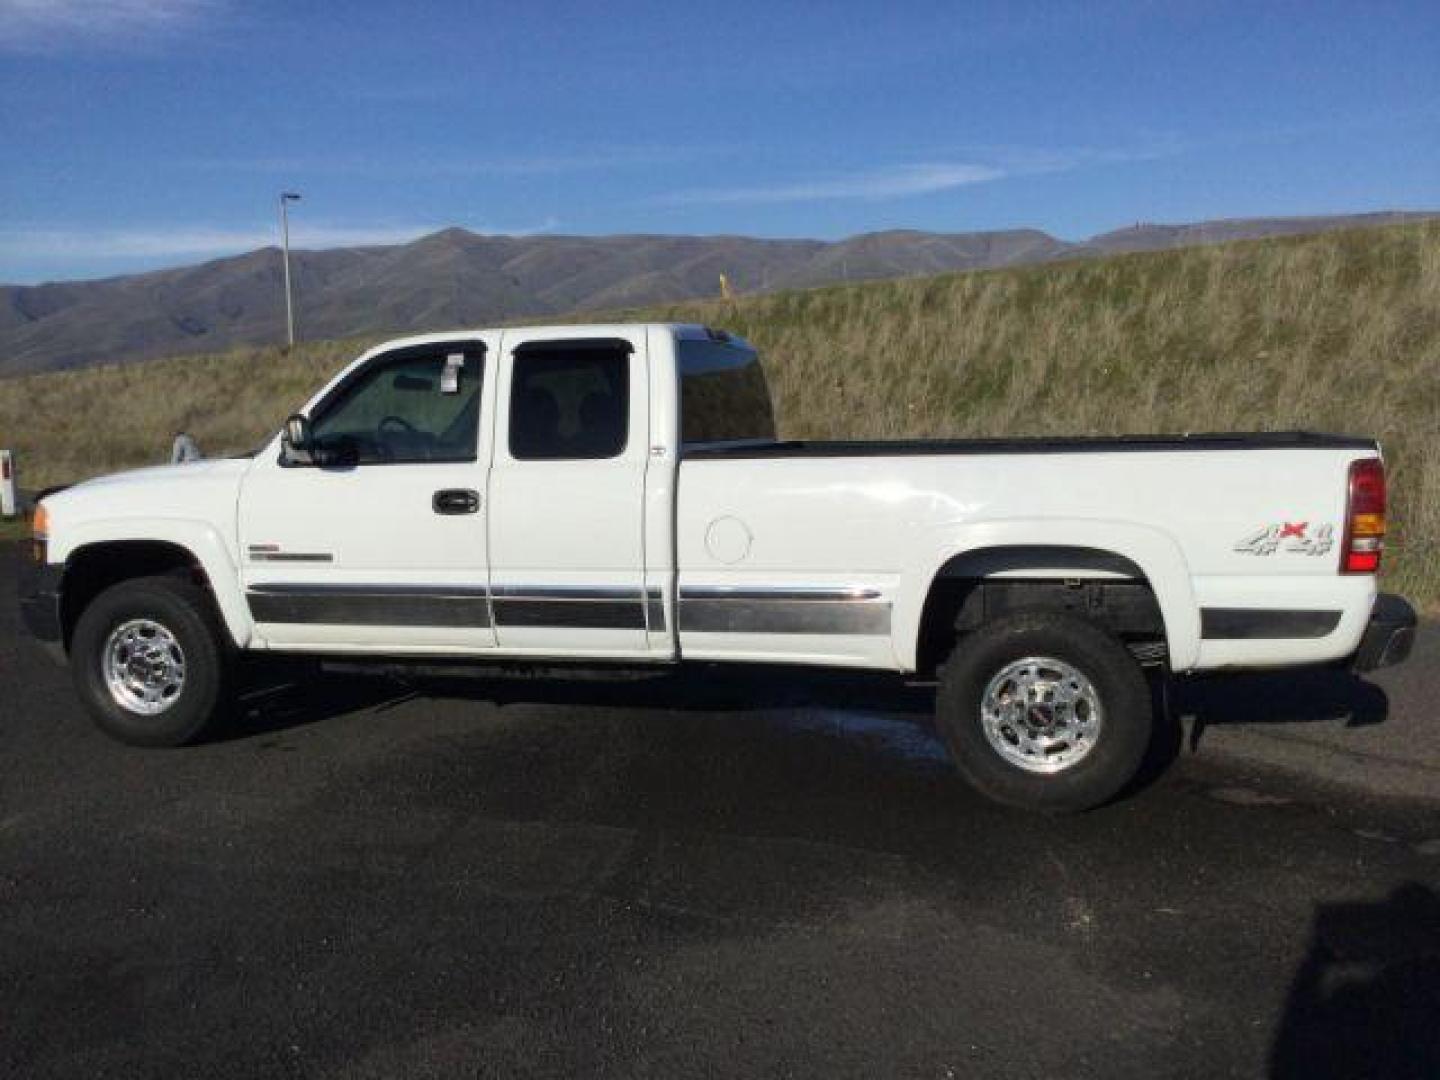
(144, 667)
(1041, 715)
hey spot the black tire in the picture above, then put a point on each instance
(1113, 757)
(184, 610)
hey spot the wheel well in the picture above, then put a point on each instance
(1097, 585)
(94, 568)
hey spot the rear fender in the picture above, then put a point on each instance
(1158, 558)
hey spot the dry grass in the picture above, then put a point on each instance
(1338, 332)
(75, 424)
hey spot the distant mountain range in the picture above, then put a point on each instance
(458, 278)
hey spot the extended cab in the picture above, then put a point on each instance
(617, 494)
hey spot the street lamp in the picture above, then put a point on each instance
(287, 197)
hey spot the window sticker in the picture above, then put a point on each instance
(450, 377)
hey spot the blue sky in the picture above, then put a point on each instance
(146, 133)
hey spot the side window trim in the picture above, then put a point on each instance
(535, 345)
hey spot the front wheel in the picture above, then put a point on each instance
(1044, 711)
(148, 662)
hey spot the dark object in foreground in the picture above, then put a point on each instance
(1365, 999)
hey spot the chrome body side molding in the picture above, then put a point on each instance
(368, 605)
(788, 610)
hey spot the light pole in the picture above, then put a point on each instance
(287, 197)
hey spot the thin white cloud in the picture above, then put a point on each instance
(1029, 160)
(48, 25)
(985, 164)
(48, 245)
(895, 182)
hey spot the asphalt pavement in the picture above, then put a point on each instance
(1371, 735)
(721, 873)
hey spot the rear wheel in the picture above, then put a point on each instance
(1044, 711)
(148, 662)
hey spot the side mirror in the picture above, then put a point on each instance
(296, 440)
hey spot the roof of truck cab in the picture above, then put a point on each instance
(683, 331)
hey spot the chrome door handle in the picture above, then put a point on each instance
(455, 501)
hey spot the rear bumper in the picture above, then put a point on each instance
(1389, 636)
(39, 589)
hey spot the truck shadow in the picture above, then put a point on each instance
(1307, 695)
(878, 709)
(698, 747)
(1366, 997)
(277, 695)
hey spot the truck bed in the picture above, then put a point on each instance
(1252, 524)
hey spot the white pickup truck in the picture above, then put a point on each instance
(617, 494)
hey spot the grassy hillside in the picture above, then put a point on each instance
(1338, 332)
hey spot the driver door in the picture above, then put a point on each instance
(380, 544)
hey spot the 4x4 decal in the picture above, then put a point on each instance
(1296, 538)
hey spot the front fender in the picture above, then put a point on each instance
(201, 540)
(1157, 555)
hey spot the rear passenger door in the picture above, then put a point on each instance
(566, 494)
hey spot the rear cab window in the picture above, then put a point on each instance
(724, 397)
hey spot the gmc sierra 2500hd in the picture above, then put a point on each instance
(617, 494)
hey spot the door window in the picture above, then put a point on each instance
(418, 405)
(570, 400)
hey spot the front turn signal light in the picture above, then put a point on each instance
(39, 533)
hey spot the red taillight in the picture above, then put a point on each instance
(1364, 518)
